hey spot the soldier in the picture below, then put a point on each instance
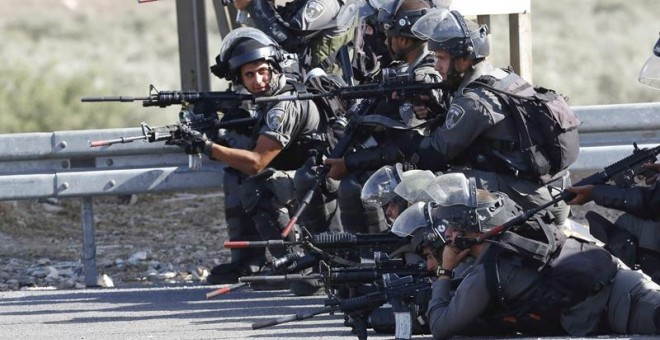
(574, 288)
(479, 135)
(307, 27)
(285, 136)
(414, 61)
(635, 235)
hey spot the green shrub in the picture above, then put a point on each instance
(41, 99)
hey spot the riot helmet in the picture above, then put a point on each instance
(392, 181)
(461, 206)
(245, 45)
(378, 190)
(649, 75)
(396, 17)
(450, 31)
(417, 222)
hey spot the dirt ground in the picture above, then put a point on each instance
(186, 230)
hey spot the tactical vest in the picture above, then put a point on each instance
(547, 135)
(574, 272)
(302, 146)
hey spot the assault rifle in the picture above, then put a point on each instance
(326, 245)
(224, 100)
(292, 262)
(357, 309)
(316, 247)
(622, 173)
(199, 110)
(347, 278)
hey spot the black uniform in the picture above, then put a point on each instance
(583, 291)
(478, 122)
(365, 160)
(303, 25)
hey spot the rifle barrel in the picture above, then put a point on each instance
(113, 99)
(225, 290)
(121, 140)
(256, 244)
(279, 278)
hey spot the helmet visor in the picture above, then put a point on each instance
(413, 183)
(437, 25)
(449, 189)
(413, 218)
(351, 10)
(650, 72)
(379, 188)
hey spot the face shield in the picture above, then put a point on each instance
(449, 189)
(378, 190)
(353, 11)
(416, 221)
(414, 217)
(650, 72)
(386, 10)
(413, 183)
(438, 26)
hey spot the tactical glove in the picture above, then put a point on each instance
(192, 141)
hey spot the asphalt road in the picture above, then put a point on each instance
(172, 313)
(163, 313)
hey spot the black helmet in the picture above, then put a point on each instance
(449, 31)
(245, 45)
(396, 17)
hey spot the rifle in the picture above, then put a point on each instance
(199, 110)
(321, 243)
(292, 262)
(324, 241)
(224, 100)
(621, 172)
(357, 309)
(341, 277)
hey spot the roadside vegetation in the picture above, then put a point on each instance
(54, 52)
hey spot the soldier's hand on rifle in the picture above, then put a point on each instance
(583, 194)
(192, 141)
(337, 168)
(653, 172)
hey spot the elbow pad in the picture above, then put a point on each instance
(373, 158)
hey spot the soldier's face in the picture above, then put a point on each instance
(256, 76)
(442, 62)
(392, 211)
(431, 262)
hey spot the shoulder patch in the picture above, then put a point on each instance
(454, 115)
(274, 118)
(313, 10)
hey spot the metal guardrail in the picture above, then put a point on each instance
(61, 164)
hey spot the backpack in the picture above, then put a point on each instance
(332, 109)
(546, 124)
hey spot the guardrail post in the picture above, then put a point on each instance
(89, 245)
